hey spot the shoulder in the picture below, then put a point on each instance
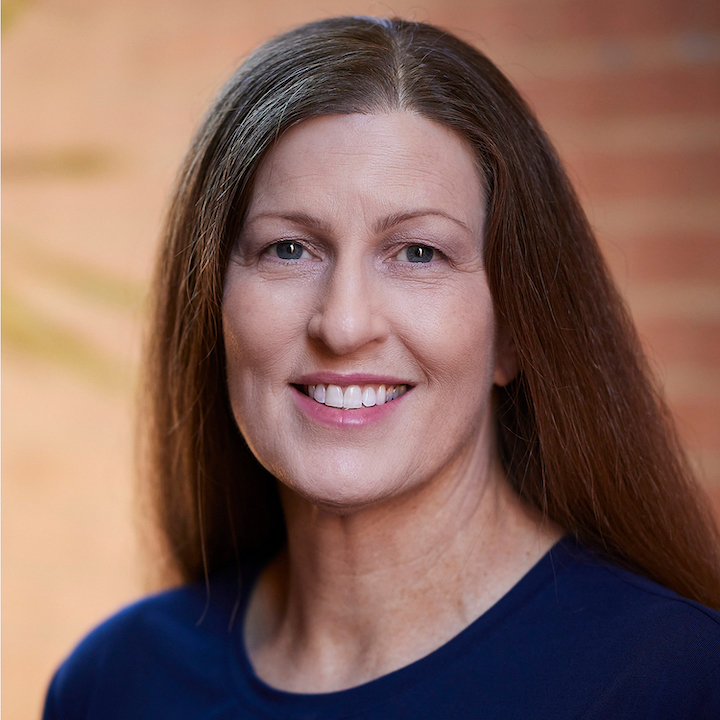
(148, 649)
(594, 586)
(635, 637)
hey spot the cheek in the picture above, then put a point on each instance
(242, 328)
(264, 332)
(258, 348)
(456, 334)
(260, 328)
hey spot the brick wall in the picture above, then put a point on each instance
(630, 91)
(630, 94)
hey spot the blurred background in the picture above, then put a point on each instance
(100, 99)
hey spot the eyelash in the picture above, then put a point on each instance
(294, 244)
(424, 253)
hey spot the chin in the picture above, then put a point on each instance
(342, 493)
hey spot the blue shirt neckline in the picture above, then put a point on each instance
(374, 693)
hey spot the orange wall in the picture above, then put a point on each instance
(99, 101)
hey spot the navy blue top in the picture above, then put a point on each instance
(577, 637)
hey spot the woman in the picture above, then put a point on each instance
(395, 393)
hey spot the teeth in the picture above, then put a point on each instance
(334, 396)
(369, 396)
(355, 396)
(352, 398)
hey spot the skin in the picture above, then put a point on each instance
(403, 531)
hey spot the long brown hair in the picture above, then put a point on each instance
(583, 431)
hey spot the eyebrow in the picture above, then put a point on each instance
(396, 218)
(299, 218)
(383, 225)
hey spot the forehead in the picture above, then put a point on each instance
(383, 162)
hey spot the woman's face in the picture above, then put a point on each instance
(359, 276)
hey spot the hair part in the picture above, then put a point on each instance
(584, 434)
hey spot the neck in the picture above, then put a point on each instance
(363, 593)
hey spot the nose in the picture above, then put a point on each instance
(349, 313)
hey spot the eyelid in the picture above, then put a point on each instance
(303, 245)
(404, 248)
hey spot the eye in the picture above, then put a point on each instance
(290, 250)
(416, 254)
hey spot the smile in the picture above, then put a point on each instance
(353, 397)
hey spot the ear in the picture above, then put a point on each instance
(506, 356)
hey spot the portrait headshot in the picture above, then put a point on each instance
(361, 361)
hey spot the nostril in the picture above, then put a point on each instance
(347, 320)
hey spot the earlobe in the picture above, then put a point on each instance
(506, 357)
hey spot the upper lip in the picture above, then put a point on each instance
(333, 378)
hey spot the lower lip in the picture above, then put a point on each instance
(337, 417)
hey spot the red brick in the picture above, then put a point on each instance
(698, 420)
(674, 256)
(622, 18)
(655, 174)
(673, 341)
(573, 19)
(712, 489)
(663, 90)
